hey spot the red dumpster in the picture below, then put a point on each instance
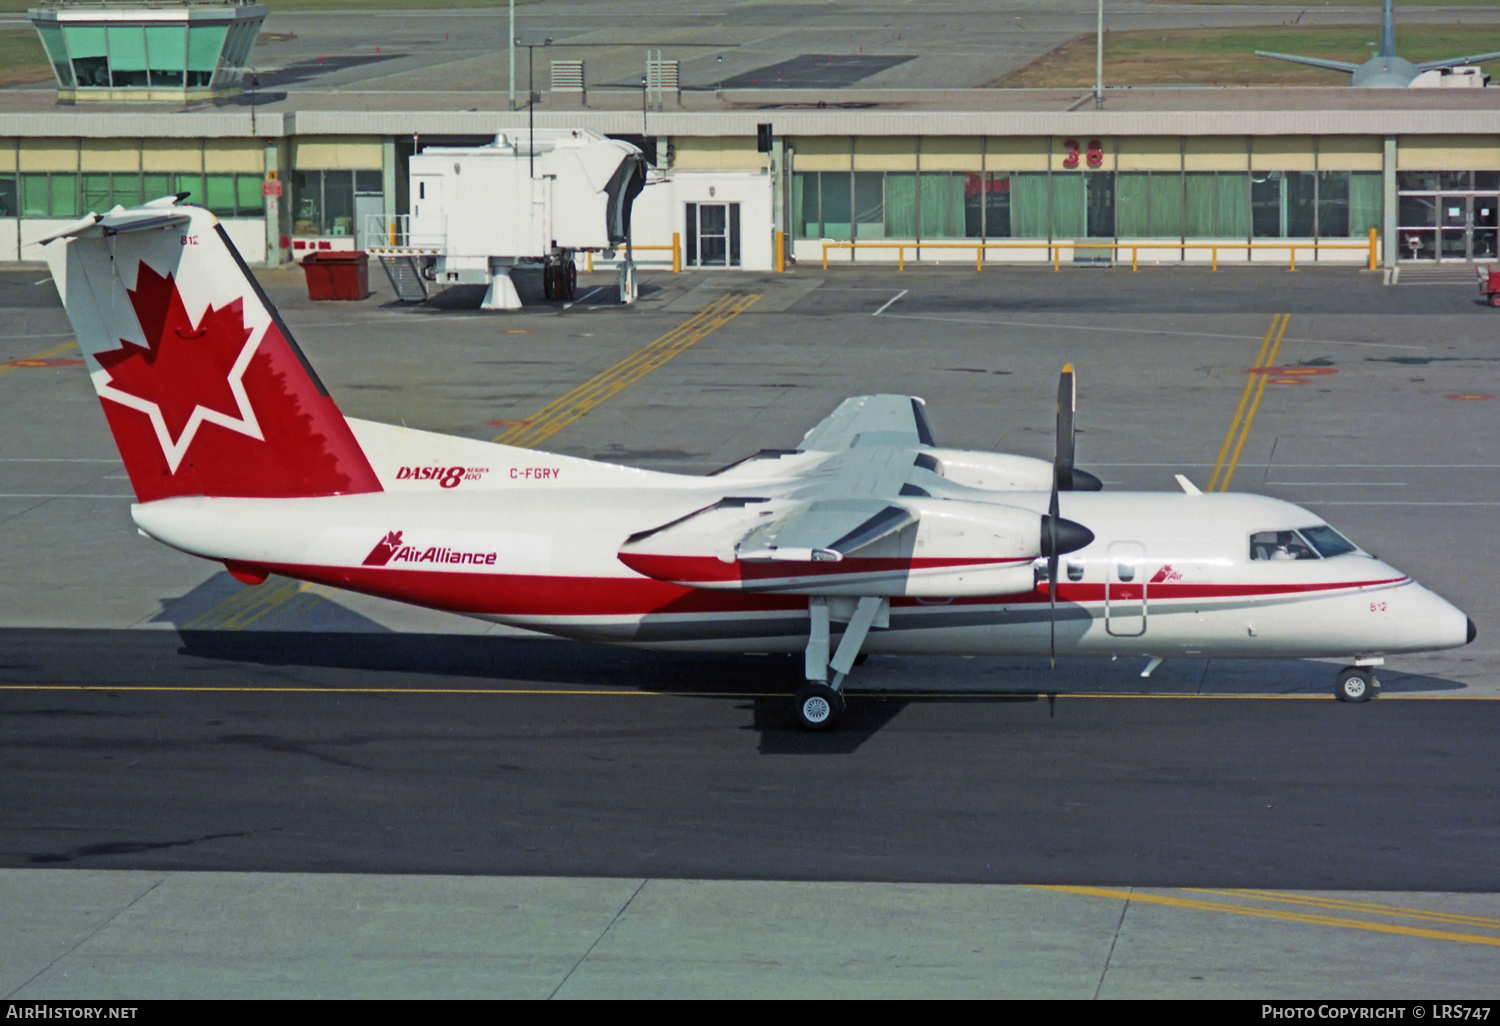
(343, 275)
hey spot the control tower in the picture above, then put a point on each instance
(115, 51)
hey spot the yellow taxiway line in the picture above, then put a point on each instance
(1244, 414)
(1306, 918)
(45, 354)
(564, 410)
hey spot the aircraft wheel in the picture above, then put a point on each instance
(818, 705)
(1355, 684)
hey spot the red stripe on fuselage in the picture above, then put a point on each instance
(540, 596)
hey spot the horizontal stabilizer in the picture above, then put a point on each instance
(1312, 62)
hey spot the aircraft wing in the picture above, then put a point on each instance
(1457, 62)
(1312, 62)
(871, 420)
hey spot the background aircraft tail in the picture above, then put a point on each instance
(1388, 30)
(203, 386)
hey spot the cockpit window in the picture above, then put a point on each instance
(1280, 545)
(1327, 541)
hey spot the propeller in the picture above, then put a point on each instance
(1061, 536)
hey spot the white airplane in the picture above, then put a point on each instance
(867, 537)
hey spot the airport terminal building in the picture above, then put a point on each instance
(1156, 176)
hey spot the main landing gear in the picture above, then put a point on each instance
(820, 701)
(1355, 684)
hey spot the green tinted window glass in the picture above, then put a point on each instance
(8, 206)
(64, 196)
(166, 53)
(869, 204)
(1365, 196)
(96, 194)
(307, 196)
(57, 53)
(192, 185)
(837, 205)
(204, 45)
(1067, 206)
(89, 50)
(220, 193)
(1166, 205)
(805, 221)
(1134, 205)
(942, 196)
(1198, 205)
(52, 42)
(156, 186)
(1028, 205)
(997, 206)
(34, 202)
(127, 189)
(247, 195)
(901, 205)
(86, 41)
(1234, 205)
(127, 47)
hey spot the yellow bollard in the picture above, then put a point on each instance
(900, 258)
(978, 258)
(1215, 251)
(1056, 257)
(676, 252)
(780, 250)
(825, 256)
(588, 262)
(1294, 257)
(1135, 254)
(1374, 250)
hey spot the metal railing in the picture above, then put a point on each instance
(1055, 248)
(393, 232)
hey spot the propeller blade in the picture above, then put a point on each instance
(1067, 407)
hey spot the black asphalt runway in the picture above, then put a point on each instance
(482, 761)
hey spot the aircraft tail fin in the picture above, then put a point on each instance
(1388, 30)
(205, 390)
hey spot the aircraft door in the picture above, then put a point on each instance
(427, 211)
(1125, 590)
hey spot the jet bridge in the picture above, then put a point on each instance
(527, 199)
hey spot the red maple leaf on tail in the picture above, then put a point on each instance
(184, 365)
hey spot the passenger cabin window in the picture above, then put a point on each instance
(1280, 545)
(1075, 569)
(1125, 571)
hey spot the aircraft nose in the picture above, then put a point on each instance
(1473, 631)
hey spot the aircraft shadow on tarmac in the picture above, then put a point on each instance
(761, 686)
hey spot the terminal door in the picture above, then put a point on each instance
(712, 238)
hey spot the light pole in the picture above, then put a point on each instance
(531, 98)
(719, 65)
(512, 49)
(1099, 59)
(643, 105)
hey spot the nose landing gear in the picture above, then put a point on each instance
(1355, 684)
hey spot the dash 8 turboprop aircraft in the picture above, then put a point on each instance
(868, 537)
